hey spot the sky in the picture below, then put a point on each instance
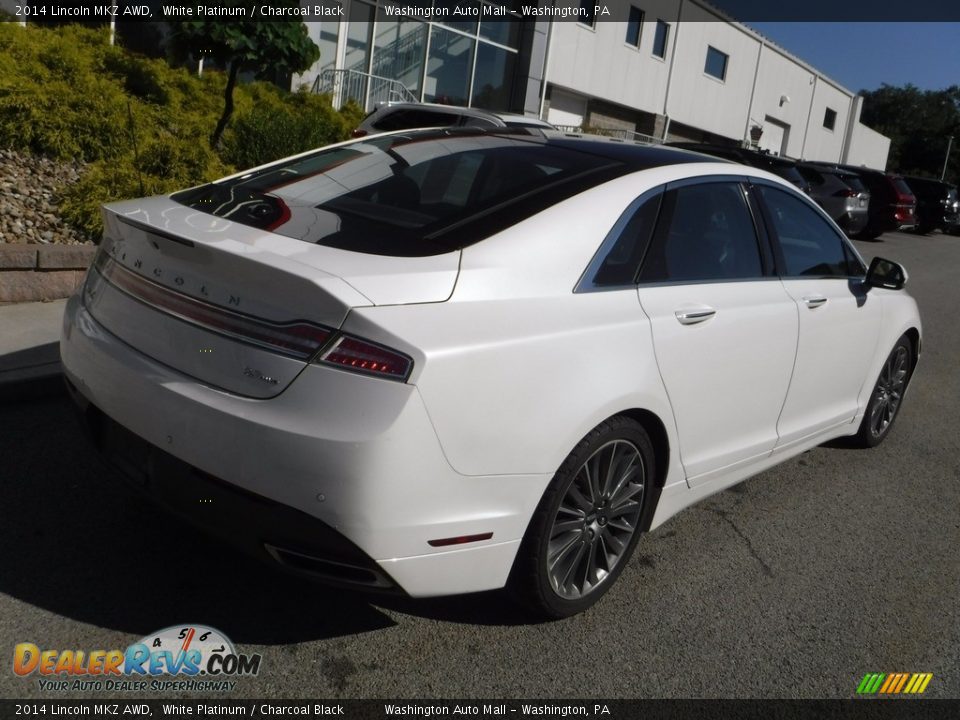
(862, 56)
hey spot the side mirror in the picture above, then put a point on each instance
(886, 274)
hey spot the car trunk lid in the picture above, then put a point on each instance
(238, 308)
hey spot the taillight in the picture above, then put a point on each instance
(297, 339)
(848, 193)
(351, 353)
(358, 133)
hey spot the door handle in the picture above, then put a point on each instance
(814, 301)
(692, 317)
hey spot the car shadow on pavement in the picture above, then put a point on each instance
(81, 544)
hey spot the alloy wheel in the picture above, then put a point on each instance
(889, 391)
(596, 519)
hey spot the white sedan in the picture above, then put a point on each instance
(443, 361)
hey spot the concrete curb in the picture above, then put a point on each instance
(39, 273)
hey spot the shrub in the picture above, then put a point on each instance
(67, 94)
(272, 129)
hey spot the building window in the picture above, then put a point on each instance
(716, 64)
(493, 78)
(633, 26)
(829, 119)
(660, 39)
(587, 16)
(449, 67)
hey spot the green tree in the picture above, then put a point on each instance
(919, 124)
(266, 49)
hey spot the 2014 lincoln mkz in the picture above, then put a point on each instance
(445, 361)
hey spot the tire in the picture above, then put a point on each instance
(887, 396)
(583, 533)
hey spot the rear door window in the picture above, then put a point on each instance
(705, 233)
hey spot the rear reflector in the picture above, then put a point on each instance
(459, 540)
(296, 339)
(351, 353)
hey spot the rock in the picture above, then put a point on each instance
(28, 200)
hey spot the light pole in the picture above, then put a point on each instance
(946, 159)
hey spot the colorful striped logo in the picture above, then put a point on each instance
(894, 683)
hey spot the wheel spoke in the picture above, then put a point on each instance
(559, 528)
(634, 468)
(578, 499)
(625, 508)
(627, 492)
(611, 468)
(616, 545)
(575, 564)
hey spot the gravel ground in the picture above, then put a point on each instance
(28, 193)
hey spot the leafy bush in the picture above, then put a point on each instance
(272, 130)
(67, 94)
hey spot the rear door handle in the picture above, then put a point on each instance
(814, 301)
(695, 315)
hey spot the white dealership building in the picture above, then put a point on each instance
(650, 69)
(670, 69)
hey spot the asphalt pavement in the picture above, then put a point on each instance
(795, 583)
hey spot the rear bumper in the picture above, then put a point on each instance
(266, 529)
(339, 467)
(853, 222)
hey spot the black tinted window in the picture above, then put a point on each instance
(810, 245)
(854, 183)
(705, 232)
(418, 194)
(620, 265)
(901, 186)
(409, 119)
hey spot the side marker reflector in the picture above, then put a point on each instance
(443, 542)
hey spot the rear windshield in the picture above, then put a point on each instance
(408, 195)
(901, 186)
(854, 183)
(415, 118)
(790, 172)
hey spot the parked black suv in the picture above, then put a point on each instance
(784, 167)
(937, 205)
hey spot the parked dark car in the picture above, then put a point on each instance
(840, 193)
(892, 204)
(784, 167)
(937, 205)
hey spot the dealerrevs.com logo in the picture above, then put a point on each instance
(177, 658)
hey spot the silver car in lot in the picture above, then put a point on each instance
(392, 116)
(840, 193)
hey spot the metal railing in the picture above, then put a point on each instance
(612, 132)
(366, 89)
